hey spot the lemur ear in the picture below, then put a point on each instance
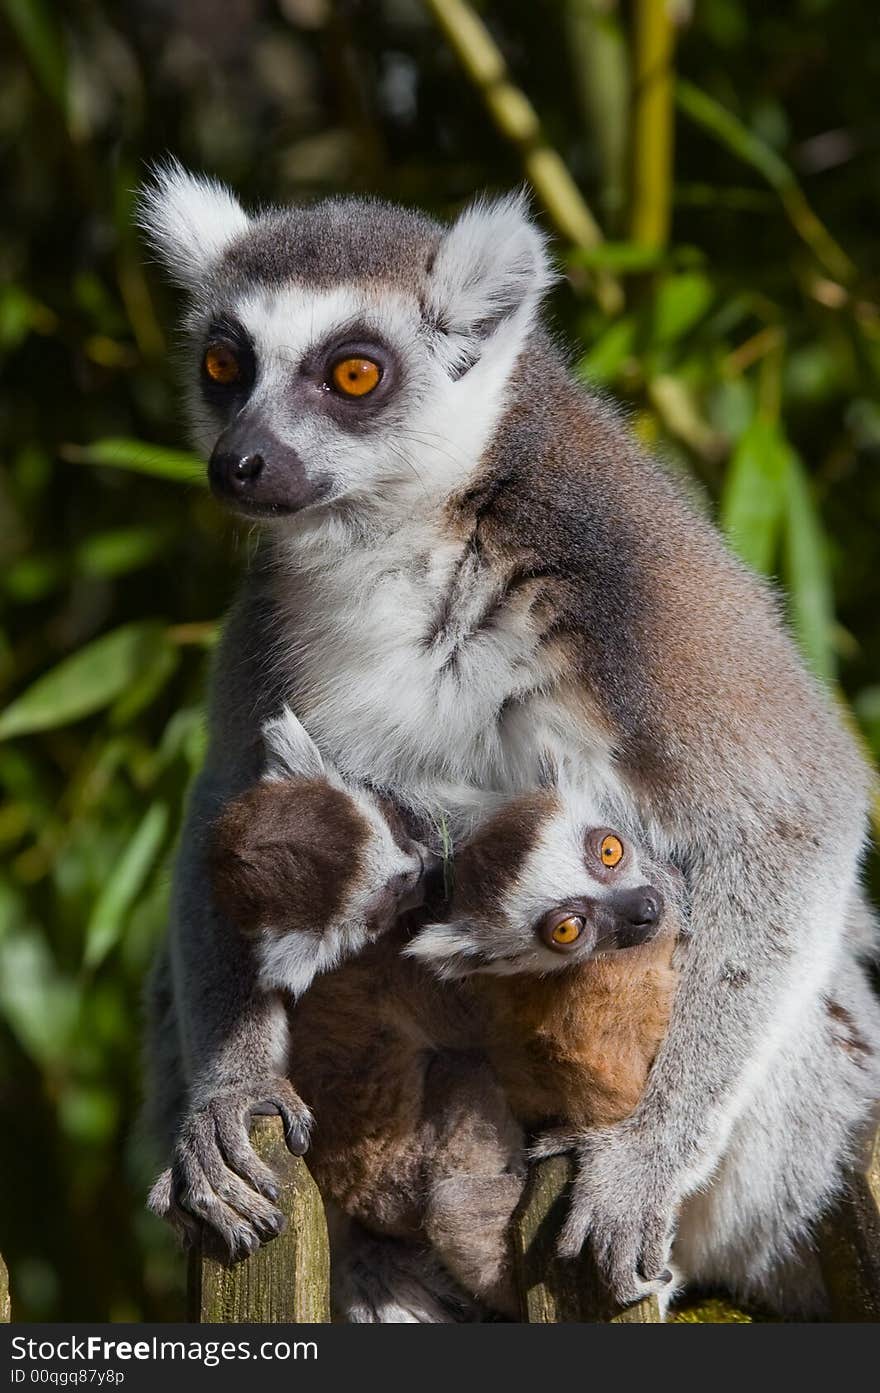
(189, 219)
(291, 753)
(444, 947)
(491, 264)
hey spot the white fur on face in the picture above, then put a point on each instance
(502, 941)
(424, 442)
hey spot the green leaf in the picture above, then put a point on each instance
(120, 550)
(608, 354)
(742, 142)
(86, 681)
(125, 884)
(807, 573)
(38, 1004)
(147, 687)
(623, 257)
(139, 457)
(680, 302)
(754, 494)
(731, 132)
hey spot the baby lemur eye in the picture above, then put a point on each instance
(355, 377)
(610, 850)
(561, 930)
(222, 364)
(568, 930)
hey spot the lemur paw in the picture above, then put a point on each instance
(622, 1206)
(217, 1189)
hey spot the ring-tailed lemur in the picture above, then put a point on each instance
(467, 561)
(563, 934)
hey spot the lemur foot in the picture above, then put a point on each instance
(385, 1281)
(217, 1189)
(623, 1204)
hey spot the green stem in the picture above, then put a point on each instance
(516, 119)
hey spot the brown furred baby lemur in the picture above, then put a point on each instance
(558, 936)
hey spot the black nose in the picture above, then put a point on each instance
(247, 468)
(641, 907)
(232, 472)
(638, 913)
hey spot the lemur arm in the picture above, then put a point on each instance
(232, 1033)
(766, 925)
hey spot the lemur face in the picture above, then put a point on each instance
(542, 886)
(332, 344)
(308, 868)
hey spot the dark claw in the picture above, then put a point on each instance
(297, 1138)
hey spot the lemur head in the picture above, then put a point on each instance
(309, 867)
(543, 885)
(341, 348)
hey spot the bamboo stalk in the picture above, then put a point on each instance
(653, 123)
(516, 119)
(600, 62)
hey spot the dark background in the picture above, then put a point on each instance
(741, 327)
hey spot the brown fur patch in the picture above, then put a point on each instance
(577, 1046)
(497, 853)
(285, 855)
(845, 1030)
(385, 1057)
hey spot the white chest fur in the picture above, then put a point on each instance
(399, 687)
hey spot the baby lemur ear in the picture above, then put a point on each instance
(449, 949)
(189, 220)
(491, 264)
(291, 753)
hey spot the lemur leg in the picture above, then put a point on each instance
(164, 1084)
(468, 1223)
(475, 1179)
(387, 1281)
(750, 1229)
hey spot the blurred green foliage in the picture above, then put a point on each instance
(748, 348)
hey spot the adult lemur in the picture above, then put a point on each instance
(467, 561)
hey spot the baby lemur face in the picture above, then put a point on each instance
(543, 885)
(311, 869)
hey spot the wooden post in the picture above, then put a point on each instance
(5, 1303)
(287, 1280)
(849, 1239)
(553, 1290)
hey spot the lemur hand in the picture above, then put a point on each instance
(217, 1187)
(622, 1204)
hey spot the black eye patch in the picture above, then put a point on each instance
(227, 335)
(356, 340)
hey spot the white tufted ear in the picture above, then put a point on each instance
(291, 753)
(447, 948)
(491, 264)
(189, 219)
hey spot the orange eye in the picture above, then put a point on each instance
(356, 377)
(221, 364)
(568, 930)
(611, 850)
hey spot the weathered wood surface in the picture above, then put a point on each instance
(552, 1289)
(849, 1239)
(5, 1303)
(287, 1280)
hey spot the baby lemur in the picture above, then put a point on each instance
(560, 939)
